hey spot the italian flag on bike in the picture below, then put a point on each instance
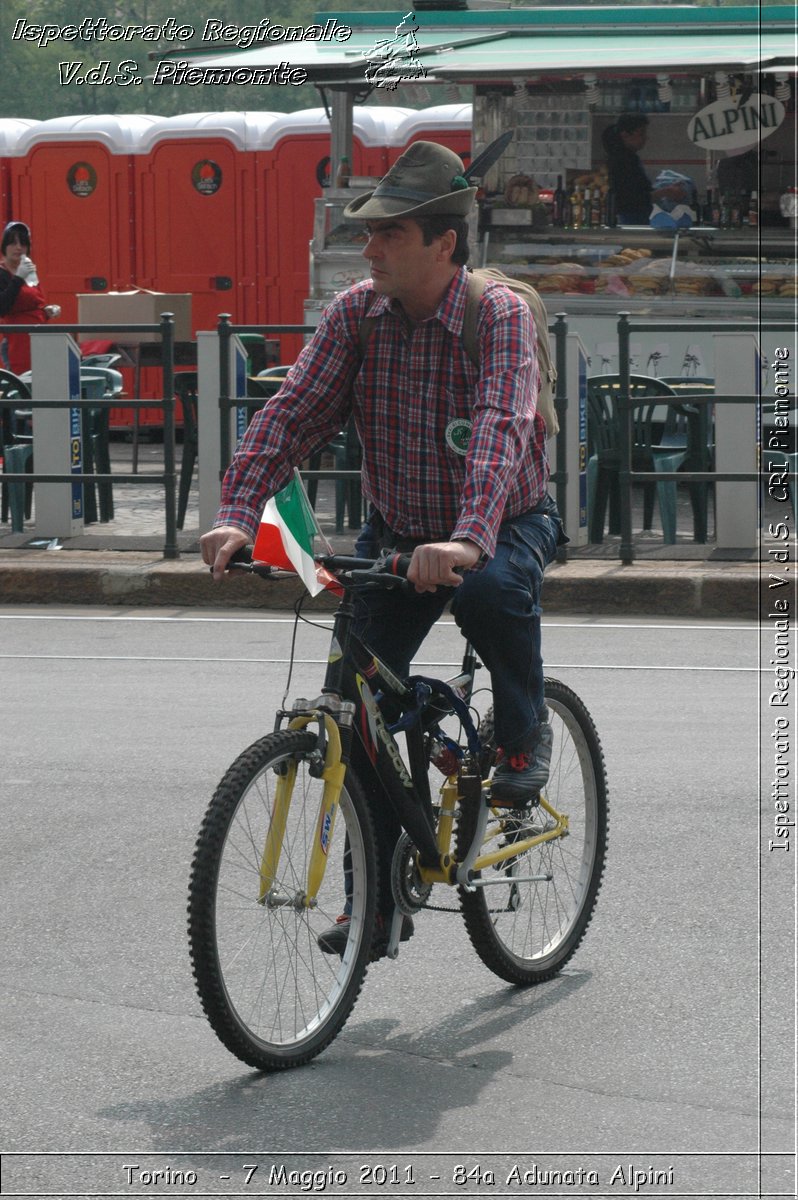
(286, 537)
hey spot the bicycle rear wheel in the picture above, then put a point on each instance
(271, 995)
(530, 918)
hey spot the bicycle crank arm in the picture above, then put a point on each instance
(465, 870)
(392, 949)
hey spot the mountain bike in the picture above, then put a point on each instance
(288, 839)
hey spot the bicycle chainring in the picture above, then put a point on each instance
(409, 893)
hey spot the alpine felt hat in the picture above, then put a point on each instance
(426, 179)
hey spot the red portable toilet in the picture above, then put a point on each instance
(196, 212)
(291, 159)
(224, 208)
(449, 124)
(11, 130)
(70, 181)
(374, 129)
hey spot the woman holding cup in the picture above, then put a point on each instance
(22, 301)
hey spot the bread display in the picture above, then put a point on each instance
(634, 271)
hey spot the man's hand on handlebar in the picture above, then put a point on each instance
(219, 545)
(433, 565)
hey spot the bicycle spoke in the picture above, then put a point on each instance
(272, 995)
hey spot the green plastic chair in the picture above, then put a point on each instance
(94, 385)
(186, 393)
(16, 501)
(660, 442)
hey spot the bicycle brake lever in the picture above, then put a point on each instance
(375, 579)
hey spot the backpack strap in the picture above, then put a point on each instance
(476, 287)
(365, 329)
(477, 282)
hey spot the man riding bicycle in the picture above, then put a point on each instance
(455, 469)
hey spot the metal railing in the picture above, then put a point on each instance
(626, 404)
(168, 477)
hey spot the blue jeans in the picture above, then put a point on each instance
(498, 609)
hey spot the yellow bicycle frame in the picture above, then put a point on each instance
(446, 871)
(333, 776)
(515, 848)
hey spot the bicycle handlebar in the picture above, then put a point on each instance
(387, 571)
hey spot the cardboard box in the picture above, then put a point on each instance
(138, 308)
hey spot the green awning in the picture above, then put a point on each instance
(468, 47)
(620, 53)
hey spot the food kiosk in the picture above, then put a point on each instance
(717, 86)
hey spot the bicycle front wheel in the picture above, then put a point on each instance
(529, 913)
(272, 996)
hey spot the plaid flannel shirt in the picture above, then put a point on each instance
(415, 390)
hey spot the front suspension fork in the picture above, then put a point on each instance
(332, 771)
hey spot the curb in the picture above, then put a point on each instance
(676, 589)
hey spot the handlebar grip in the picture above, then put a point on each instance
(397, 564)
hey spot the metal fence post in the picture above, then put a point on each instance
(225, 332)
(170, 549)
(561, 407)
(625, 432)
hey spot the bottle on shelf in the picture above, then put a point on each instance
(567, 212)
(753, 209)
(586, 209)
(558, 203)
(344, 173)
(708, 210)
(596, 213)
(576, 210)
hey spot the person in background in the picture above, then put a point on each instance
(738, 173)
(22, 301)
(631, 187)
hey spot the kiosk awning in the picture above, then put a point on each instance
(469, 47)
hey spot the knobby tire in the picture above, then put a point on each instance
(525, 932)
(272, 996)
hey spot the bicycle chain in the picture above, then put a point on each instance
(458, 912)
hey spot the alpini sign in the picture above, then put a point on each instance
(728, 124)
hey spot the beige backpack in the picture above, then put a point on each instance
(548, 373)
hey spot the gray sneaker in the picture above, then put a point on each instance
(520, 777)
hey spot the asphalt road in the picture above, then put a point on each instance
(644, 1056)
